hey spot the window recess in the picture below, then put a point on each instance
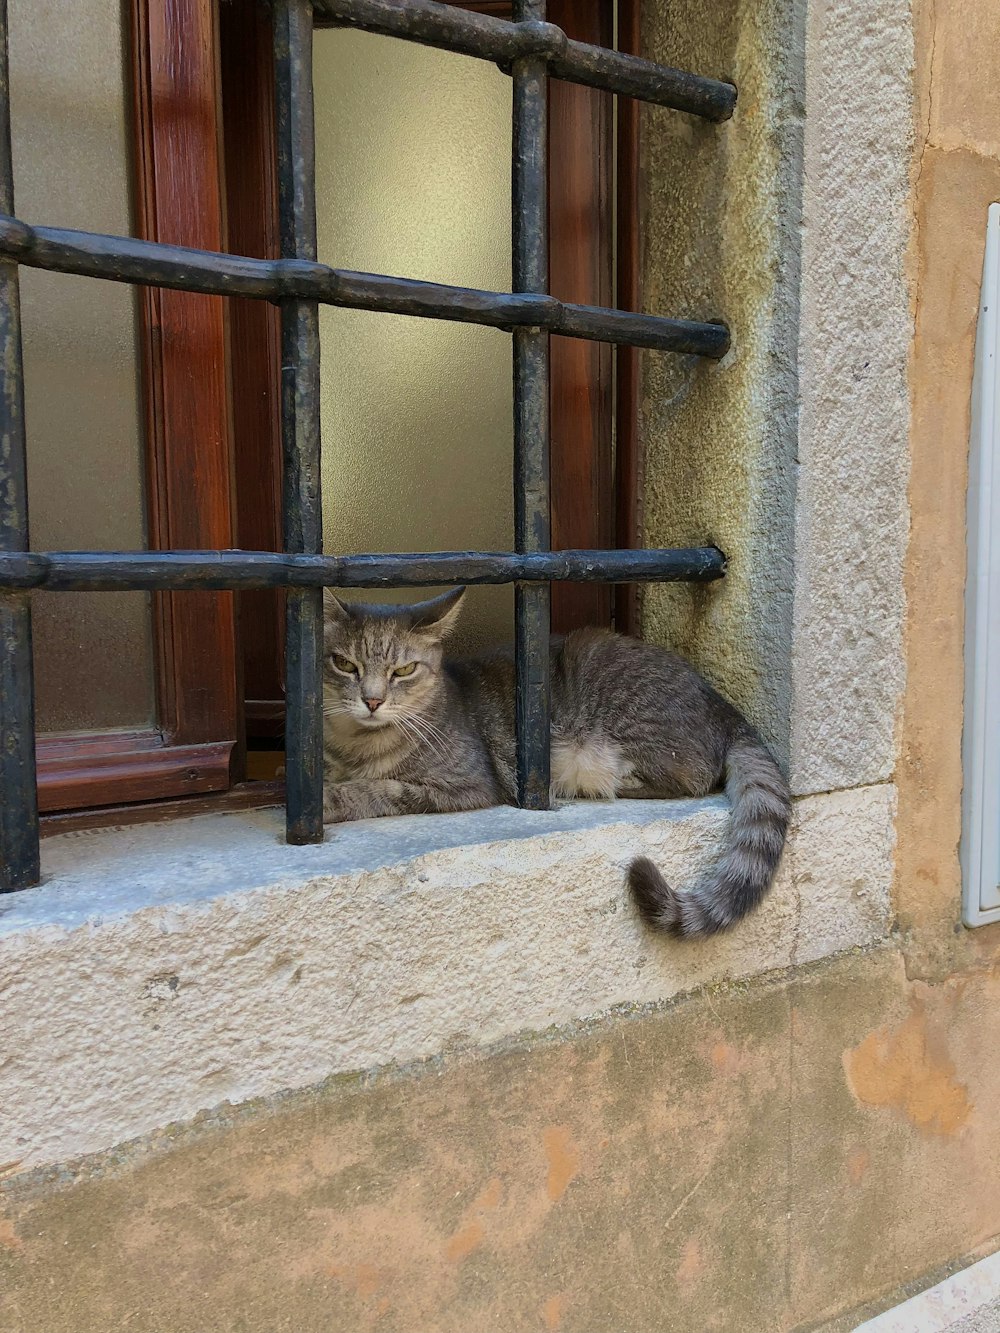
(530, 50)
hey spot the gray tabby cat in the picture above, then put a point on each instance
(407, 731)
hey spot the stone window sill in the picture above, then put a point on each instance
(163, 969)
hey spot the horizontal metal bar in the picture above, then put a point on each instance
(113, 571)
(125, 259)
(454, 29)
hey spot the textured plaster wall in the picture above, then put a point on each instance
(747, 1160)
(721, 240)
(856, 330)
(791, 222)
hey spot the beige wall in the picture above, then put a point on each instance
(758, 1152)
(748, 1161)
(956, 176)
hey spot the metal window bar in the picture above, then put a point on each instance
(530, 273)
(530, 50)
(301, 505)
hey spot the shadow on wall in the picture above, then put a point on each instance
(721, 207)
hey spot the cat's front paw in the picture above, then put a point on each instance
(335, 807)
(344, 802)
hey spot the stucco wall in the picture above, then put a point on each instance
(748, 1160)
(722, 241)
(957, 174)
(852, 518)
(775, 1138)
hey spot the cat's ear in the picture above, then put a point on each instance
(437, 617)
(335, 613)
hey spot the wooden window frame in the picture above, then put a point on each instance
(210, 375)
(183, 341)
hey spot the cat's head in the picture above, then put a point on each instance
(383, 663)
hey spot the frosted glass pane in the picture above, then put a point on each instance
(413, 180)
(93, 651)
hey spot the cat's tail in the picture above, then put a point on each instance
(742, 874)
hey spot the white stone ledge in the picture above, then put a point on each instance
(966, 1302)
(167, 968)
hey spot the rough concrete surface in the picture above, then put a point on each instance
(168, 968)
(744, 1161)
(721, 240)
(795, 465)
(985, 1320)
(856, 327)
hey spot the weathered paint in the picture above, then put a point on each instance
(613, 1176)
(956, 176)
(907, 1068)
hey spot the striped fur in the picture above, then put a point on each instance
(742, 874)
(410, 731)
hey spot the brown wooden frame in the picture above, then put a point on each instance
(580, 270)
(248, 137)
(178, 198)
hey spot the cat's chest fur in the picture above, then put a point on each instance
(352, 754)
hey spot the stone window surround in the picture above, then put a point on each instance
(165, 969)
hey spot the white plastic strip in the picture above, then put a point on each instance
(981, 735)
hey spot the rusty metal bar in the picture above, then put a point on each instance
(123, 259)
(303, 520)
(112, 571)
(529, 219)
(495, 39)
(19, 865)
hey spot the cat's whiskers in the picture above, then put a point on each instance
(409, 726)
(335, 710)
(413, 732)
(402, 724)
(430, 729)
(421, 729)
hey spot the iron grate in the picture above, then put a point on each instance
(530, 50)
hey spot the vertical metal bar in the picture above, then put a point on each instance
(628, 457)
(531, 417)
(18, 792)
(303, 520)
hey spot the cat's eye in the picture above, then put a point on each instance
(345, 664)
(406, 670)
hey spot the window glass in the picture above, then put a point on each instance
(413, 180)
(72, 165)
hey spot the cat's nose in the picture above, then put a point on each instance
(373, 704)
